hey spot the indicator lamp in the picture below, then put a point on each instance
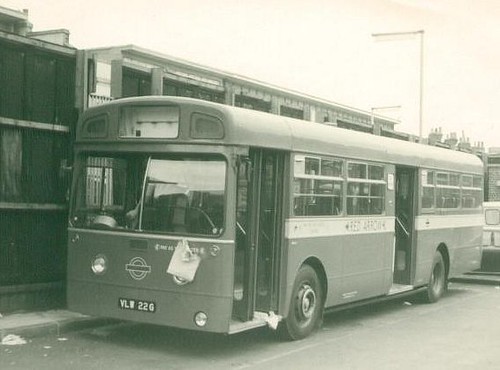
(99, 264)
(200, 319)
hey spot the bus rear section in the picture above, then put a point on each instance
(437, 211)
(147, 240)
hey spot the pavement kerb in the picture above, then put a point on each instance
(478, 279)
(37, 324)
(57, 322)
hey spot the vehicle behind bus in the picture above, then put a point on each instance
(490, 261)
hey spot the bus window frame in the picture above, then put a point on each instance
(86, 134)
(424, 172)
(306, 176)
(366, 180)
(165, 156)
(460, 188)
(224, 155)
(344, 179)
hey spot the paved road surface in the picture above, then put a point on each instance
(462, 331)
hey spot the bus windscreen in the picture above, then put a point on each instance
(138, 193)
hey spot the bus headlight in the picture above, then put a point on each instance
(99, 264)
(200, 319)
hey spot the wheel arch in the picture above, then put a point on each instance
(297, 323)
(443, 249)
(316, 264)
(438, 277)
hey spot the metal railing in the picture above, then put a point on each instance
(95, 100)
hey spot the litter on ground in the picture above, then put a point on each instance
(13, 340)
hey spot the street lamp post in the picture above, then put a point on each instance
(421, 93)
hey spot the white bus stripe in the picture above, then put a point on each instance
(296, 228)
(433, 222)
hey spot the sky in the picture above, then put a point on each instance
(323, 48)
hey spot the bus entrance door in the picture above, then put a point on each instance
(259, 233)
(405, 211)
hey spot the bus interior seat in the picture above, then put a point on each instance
(172, 212)
(162, 205)
(469, 202)
(179, 210)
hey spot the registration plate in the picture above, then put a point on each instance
(136, 305)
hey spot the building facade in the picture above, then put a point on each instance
(124, 71)
(492, 178)
(45, 83)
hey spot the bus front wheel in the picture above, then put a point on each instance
(437, 282)
(306, 306)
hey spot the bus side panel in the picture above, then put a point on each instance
(463, 243)
(357, 266)
(367, 266)
(137, 271)
(328, 250)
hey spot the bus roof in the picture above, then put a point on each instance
(267, 130)
(247, 127)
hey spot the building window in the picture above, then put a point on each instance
(175, 88)
(249, 102)
(291, 112)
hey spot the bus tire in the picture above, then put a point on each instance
(437, 281)
(305, 312)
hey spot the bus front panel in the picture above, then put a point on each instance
(126, 276)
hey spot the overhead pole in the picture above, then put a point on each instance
(387, 36)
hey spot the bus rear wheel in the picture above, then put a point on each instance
(437, 282)
(306, 306)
